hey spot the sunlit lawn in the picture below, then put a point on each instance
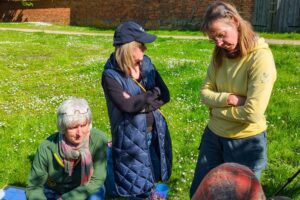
(38, 71)
(47, 26)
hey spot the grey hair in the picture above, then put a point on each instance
(72, 112)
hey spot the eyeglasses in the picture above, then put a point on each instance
(76, 112)
(217, 37)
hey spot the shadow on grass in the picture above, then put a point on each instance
(172, 182)
(31, 157)
(18, 184)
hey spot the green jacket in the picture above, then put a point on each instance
(46, 170)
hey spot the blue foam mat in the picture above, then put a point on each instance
(14, 193)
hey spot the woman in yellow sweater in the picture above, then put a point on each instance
(237, 90)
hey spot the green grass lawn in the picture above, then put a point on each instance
(38, 71)
(56, 27)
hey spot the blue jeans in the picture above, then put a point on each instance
(215, 150)
(99, 195)
(111, 190)
(52, 195)
(154, 155)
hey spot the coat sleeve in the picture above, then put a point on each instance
(38, 175)
(99, 175)
(261, 78)
(208, 92)
(163, 94)
(131, 105)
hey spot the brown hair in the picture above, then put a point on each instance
(246, 36)
(124, 55)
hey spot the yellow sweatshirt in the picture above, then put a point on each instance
(252, 76)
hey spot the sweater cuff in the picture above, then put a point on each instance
(223, 98)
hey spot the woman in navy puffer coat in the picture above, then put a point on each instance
(134, 91)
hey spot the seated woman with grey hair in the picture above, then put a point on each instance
(71, 163)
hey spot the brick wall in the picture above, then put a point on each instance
(168, 14)
(41, 11)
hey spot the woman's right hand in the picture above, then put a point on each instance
(236, 100)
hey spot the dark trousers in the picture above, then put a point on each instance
(215, 150)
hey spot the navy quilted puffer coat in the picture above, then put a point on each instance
(133, 170)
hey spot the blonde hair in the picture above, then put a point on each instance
(124, 55)
(246, 36)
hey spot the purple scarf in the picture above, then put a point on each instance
(71, 154)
